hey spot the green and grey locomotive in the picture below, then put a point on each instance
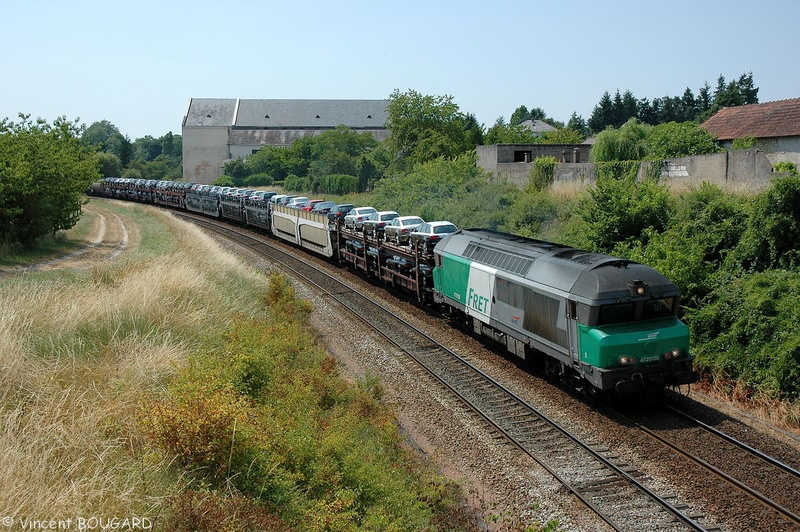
(592, 319)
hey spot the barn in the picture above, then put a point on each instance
(216, 130)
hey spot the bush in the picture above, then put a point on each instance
(223, 181)
(679, 140)
(704, 230)
(744, 143)
(267, 418)
(542, 173)
(295, 183)
(258, 180)
(772, 237)
(748, 332)
(623, 211)
(337, 184)
(785, 167)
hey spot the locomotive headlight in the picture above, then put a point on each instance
(625, 360)
(674, 353)
(640, 290)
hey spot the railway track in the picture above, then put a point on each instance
(768, 489)
(614, 490)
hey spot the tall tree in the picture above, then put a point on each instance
(704, 99)
(424, 127)
(519, 115)
(748, 91)
(688, 106)
(577, 123)
(45, 170)
(602, 115)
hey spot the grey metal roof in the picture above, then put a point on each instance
(537, 126)
(216, 112)
(258, 114)
(582, 273)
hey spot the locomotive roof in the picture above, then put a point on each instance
(581, 273)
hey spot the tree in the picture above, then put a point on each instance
(237, 169)
(602, 115)
(679, 140)
(109, 164)
(577, 123)
(519, 115)
(502, 133)
(424, 128)
(688, 106)
(104, 136)
(99, 133)
(704, 99)
(147, 148)
(628, 143)
(45, 170)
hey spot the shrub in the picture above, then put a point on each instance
(258, 180)
(337, 184)
(295, 183)
(772, 237)
(748, 332)
(223, 181)
(705, 228)
(267, 419)
(683, 139)
(744, 143)
(622, 211)
(785, 167)
(542, 172)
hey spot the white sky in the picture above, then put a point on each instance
(137, 63)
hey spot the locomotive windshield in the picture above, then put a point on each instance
(636, 311)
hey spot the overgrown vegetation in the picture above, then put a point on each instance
(734, 257)
(635, 141)
(268, 417)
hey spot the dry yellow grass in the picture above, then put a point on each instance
(80, 352)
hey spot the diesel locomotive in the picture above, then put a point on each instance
(602, 323)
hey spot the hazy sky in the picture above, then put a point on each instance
(137, 63)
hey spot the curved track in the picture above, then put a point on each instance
(613, 490)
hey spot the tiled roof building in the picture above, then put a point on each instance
(775, 125)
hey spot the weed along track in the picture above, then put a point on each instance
(606, 483)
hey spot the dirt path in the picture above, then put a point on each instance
(110, 236)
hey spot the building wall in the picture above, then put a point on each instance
(736, 170)
(204, 149)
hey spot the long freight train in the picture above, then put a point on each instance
(602, 323)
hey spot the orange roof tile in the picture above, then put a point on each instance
(761, 120)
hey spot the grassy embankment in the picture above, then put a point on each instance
(176, 383)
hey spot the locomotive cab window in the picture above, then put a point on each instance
(658, 308)
(618, 313)
(635, 311)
